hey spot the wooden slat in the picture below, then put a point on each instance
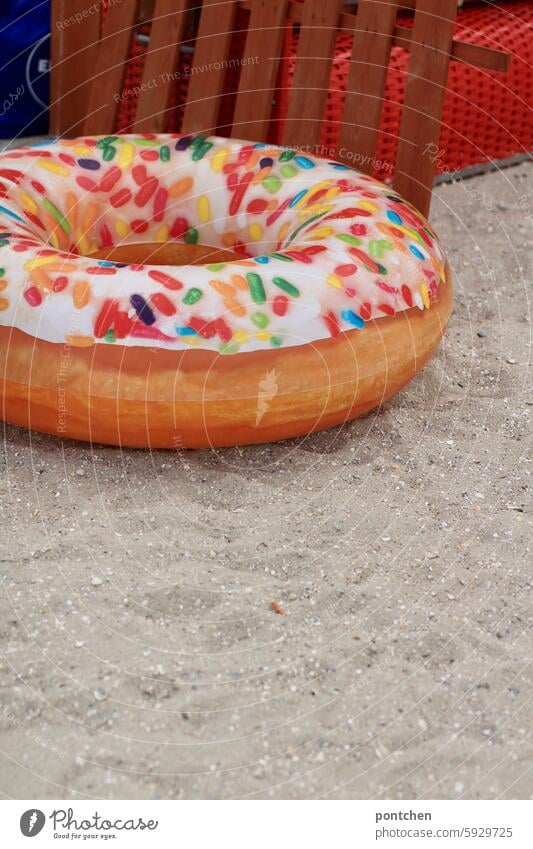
(74, 49)
(161, 62)
(262, 53)
(312, 72)
(367, 78)
(471, 54)
(109, 71)
(424, 100)
(206, 82)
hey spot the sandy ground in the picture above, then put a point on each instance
(141, 656)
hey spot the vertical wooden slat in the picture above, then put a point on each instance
(212, 49)
(74, 51)
(316, 46)
(367, 79)
(108, 73)
(262, 55)
(431, 45)
(161, 62)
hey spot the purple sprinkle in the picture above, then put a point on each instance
(266, 162)
(142, 309)
(183, 143)
(89, 164)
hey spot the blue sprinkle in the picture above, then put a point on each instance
(339, 167)
(11, 214)
(262, 259)
(414, 250)
(298, 197)
(266, 162)
(183, 143)
(394, 217)
(142, 309)
(106, 263)
(353, 318)
(44, 143)
(185, 331)
(304, 162)
(89, 164)
(260, 145)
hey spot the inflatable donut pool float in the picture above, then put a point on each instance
(190, 291)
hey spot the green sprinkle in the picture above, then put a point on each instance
(109, 153)
(276, 341)
(147, 142)
(197, 141)
(287, 287)
(201, 151)
(110, 336)
(306, 223)
(2, 272)
(191, 236)
(375, 248)
(57, 214)
(192, 296)
(283, 257)
(260, 319)
(272, 183)
(3, 243)
(346, 237)
(216, 266)
(102, 143)
(257, 290)
(164, 153)
(288, 171)
(286, 155)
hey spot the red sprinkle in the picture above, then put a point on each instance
(122, 325)
(365, 311)
(100, 269)
(163, 304)
(346, 270)
(332, 324)
(140, 174)
(60, 283)
(179, 228)
(120, 198)
(223, 330)
(387, 309)
(110, 178)
(139, 226)
(87, 184)
(280, 305)
(160, 203)
(257, 206)
(146, 191)
(33, 296)
(406, 293)
(149, 155)
(206, 329)
(106, 237)
(358, 229)
(165, 279)
(105, 318)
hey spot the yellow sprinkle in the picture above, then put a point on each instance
(79, 341)
(53, 167)
(335, 281)
(125, 157)
(425, 295)
(80, 294)
(38, 261)
(333, 192)
(162, 234)
(28, 203)
(241, 336)
(54, 241)
(180, 187)
(121, 227)
(217, 163)
(83, 243)
(204, 209)
(322, 232)
(310, 195)
(82, 150)
(256, 232)
(365, 204)
(4, 304)
(263, 335)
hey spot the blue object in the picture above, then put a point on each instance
(24, 86)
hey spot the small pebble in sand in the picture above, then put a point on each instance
(96, 582)
(277, 608)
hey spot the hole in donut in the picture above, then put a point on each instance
(167, 253)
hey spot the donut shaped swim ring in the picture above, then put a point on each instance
(190, 291)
